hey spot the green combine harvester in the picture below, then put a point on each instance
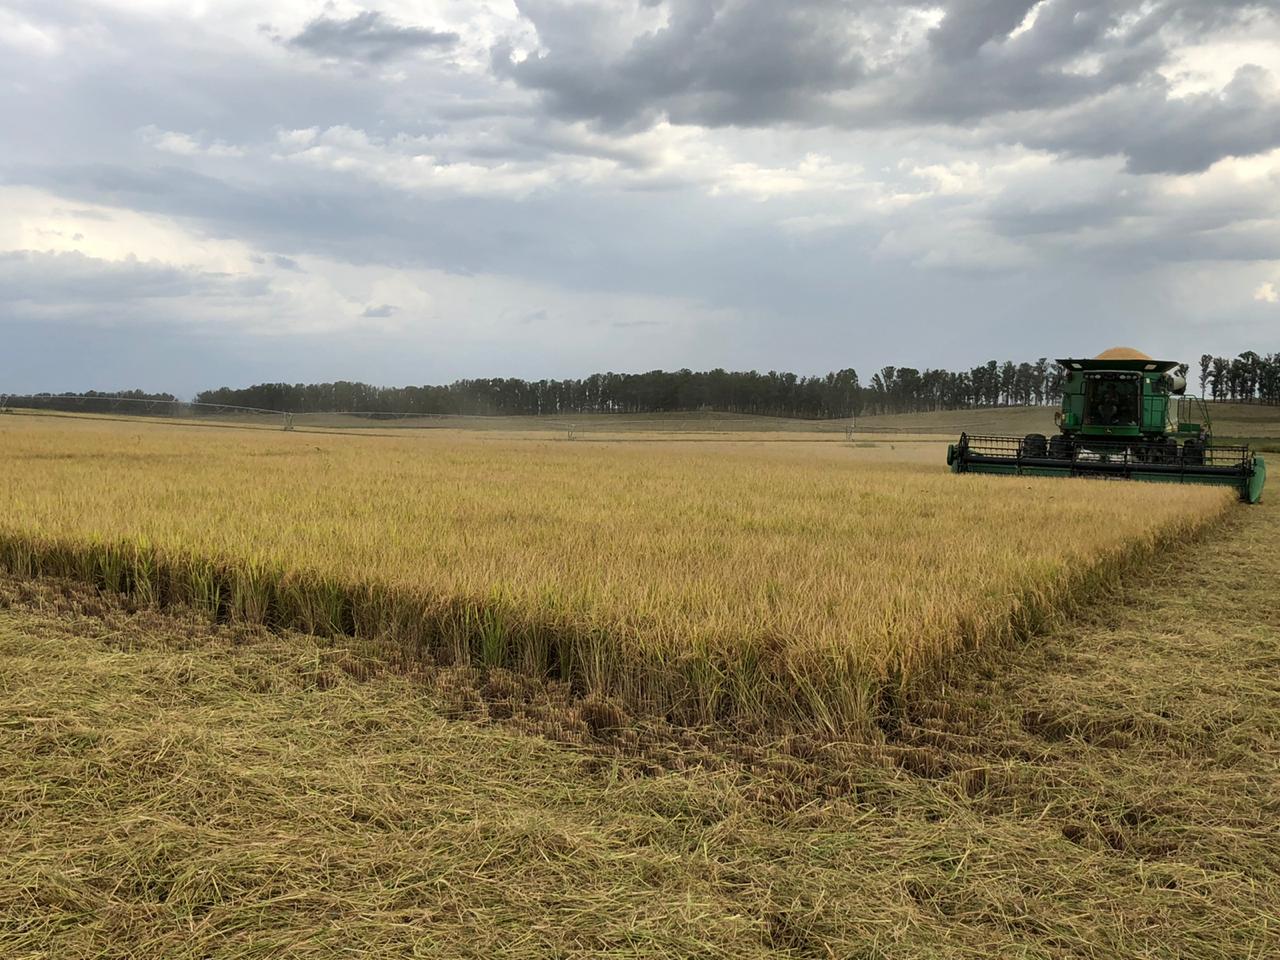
(1124, 416)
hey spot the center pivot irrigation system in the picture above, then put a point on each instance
(1124, 416)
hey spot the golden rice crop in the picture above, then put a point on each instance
(761, 582)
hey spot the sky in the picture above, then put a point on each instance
(197, 193)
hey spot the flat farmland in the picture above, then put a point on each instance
(769, 583)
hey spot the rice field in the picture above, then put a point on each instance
(770, 584)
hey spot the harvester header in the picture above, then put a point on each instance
(1123, 416)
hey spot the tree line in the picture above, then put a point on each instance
(95, 401)
(835, 395)
(106, 395)
(1250, 377)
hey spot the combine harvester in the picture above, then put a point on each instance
(1123, 415)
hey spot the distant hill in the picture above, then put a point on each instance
(1015, 421)
(1245, 419)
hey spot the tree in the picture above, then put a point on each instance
(1218, 378)
(1250, 376)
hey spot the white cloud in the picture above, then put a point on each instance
(1207, 66)
(40, 220)
(1028, 21)
(1267, 293)
(21, 34)
(185, 145)
(134, 267)
(406, 163)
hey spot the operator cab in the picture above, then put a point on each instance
(1117, 394)
(1112, 399)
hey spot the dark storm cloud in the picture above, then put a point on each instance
(969, 24)
(1003, 69)
(368, 37)
(715, 63)
(1161, 135)
(974, 67)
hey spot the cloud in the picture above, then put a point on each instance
(88, 215)
(380, 312)
(782, 183)
(1267, 293)
(184, 145)
(1161, 134)
(742, 62)
(1079, 78)
(968, 25)
(368, 37)
(407, 163)
(66, 278)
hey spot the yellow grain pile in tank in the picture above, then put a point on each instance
(1122, 353)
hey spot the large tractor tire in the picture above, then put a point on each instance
(1060, 447)
(1034, 445)
(1163, 450)
(1193, 453)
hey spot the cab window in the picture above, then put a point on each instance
(1112, 403)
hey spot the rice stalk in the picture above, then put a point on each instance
(767, 587)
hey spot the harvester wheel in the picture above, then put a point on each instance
(1060, 447)
(1033, 445)
(1163, 450)
(1193, 452)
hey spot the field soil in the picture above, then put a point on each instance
(172, 788)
